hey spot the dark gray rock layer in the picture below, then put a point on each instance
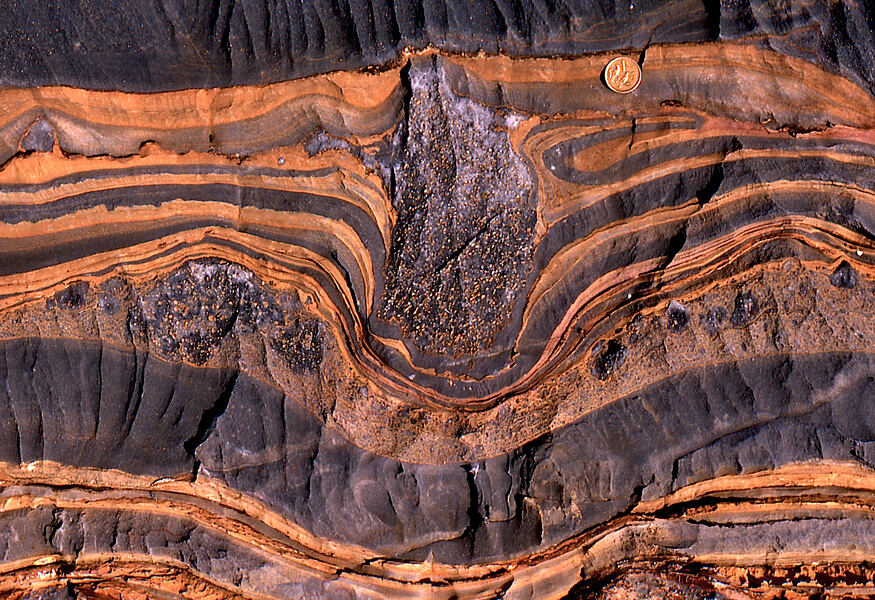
(737, 417)
(151, 45)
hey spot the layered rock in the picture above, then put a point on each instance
(460, 326)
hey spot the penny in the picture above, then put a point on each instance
(622, 75)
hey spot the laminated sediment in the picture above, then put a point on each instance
(458, 325)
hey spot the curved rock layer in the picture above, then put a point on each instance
(460, 327)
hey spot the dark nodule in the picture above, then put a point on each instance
(713, 319)
(678, 317)
(611, 358)
(746, 309)
(844, 276)
(73, 297)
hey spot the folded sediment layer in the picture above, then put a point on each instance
(525, 234)
(463, 327)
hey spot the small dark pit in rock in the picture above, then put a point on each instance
(712, 321)
(73, 297)
(844, 276)
(678, 317)
(746, 308)
(611, 358)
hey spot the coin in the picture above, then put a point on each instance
(622, 75)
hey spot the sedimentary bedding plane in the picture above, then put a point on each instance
(436, 312)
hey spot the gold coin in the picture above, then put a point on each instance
(622, 75)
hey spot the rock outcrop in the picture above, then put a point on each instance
(401, 301)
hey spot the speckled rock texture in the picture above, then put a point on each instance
(371, 300)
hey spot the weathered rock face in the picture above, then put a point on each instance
(446, 317)
(462, 243)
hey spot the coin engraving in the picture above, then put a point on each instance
(622, 75)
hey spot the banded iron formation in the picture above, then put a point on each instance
(398, 300)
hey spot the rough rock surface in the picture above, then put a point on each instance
(398, 300)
